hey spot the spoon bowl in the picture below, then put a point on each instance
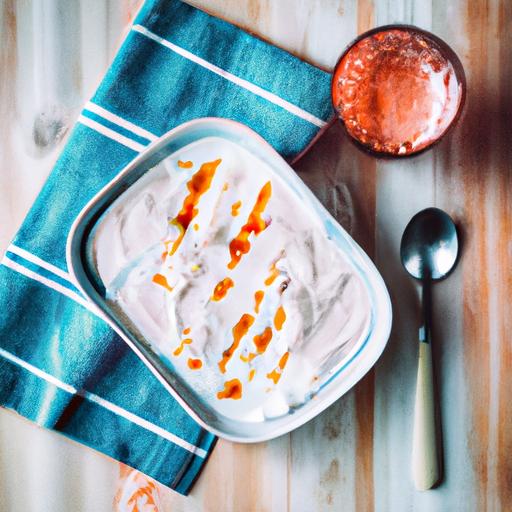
(430, 245)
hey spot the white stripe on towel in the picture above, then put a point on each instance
(111, 134)
(113, 118)
(38, 261)
(145, 424)
(119, 411)
(50, 284)
(36, 371)
(259, 91)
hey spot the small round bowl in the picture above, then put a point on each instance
(435, 43)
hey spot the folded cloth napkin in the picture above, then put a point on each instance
(60, 365)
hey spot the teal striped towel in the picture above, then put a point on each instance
(60, 365)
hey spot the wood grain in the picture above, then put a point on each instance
(365, 169)
(486, 181)
(356, 456)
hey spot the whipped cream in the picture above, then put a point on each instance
(231, 279)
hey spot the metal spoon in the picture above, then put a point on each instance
(428, 251)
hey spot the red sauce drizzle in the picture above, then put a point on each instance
(185, 165)
(222, 288)
(239, 331)
(186, 331)
(262, 340)
(179, 350)
(235, 208)
(162, 281)
(197, 186)
(194, 364)
(277, 372)
(232, 389)
(258, 297)
(240, 245)
(279, 318)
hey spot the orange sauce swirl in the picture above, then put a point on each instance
(248, 358)
(194, 364)
(222, 288)
(179, 350)
(240, 245)
(239, 331)
(279, 318)
(277, 372)
(197, 186)
(162, 281)
(274, 272)
(258, 297)
(232, 389)
(262, 340)
(235, 208)
(185, 165)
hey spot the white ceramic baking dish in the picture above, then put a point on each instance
(344, 374)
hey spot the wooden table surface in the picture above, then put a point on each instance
(356, 455)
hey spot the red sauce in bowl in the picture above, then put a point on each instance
(398, 90)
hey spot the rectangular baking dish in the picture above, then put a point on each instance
(333, 385)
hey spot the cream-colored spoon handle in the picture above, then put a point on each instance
(425, 464)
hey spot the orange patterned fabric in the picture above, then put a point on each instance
(136, 492)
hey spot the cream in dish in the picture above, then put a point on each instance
(232, 279)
